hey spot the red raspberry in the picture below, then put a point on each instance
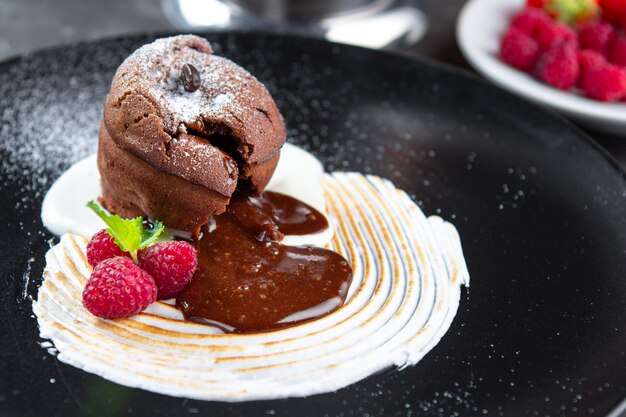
(535, 3)
(172, 265)
(596, 36)
(519, 50)
(589, 60)
(118, 288)
(607, 83)
(617, 51)
(558, 66)
(529, 20)
(102, 246)
(613, 10)
(552, 34)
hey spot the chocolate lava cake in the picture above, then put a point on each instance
(182, 130)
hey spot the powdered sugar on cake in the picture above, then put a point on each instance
(187, 107)
(192, 158)
(222, 93)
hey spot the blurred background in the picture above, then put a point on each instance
(411, 27)
(26, 25)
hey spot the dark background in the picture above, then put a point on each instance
(27, 25)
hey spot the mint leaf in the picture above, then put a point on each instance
(148, 237)
(129, 234)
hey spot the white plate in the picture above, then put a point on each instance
(479, 28)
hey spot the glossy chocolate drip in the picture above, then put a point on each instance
(271, 215)
(247, 281)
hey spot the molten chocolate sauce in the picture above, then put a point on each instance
(247, 281)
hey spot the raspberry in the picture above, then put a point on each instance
(596, 36)
(529, 20)
(558, 66)
(551, 34)
(118, 288)
(535, 3)
(613, 10)
(519, 50)
(589, 60)
(172, 265)
(617, 51)
(607, 83)
(102, 246)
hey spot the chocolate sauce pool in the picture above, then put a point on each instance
(248, 282)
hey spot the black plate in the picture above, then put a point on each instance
(539, 207)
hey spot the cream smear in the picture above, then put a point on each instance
(408, 273)
(64, 209)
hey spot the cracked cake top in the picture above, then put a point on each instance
(195, 115)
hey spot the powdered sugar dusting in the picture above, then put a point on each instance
(217, 98)
(193, 158)
(223, 99)
(188, 107)
(38, 113)
(226, 90)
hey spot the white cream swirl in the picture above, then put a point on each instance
(408, 270)
(64, 209)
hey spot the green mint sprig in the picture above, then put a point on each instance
(129, 234)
